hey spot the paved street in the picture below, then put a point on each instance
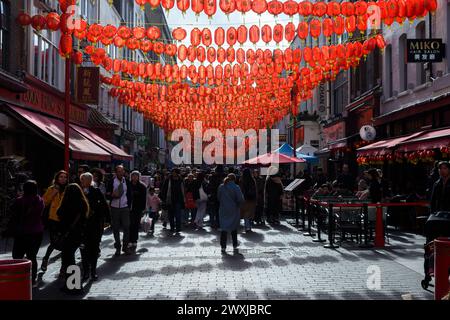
(273, 263)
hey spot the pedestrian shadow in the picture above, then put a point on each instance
(283, 229)
(235, 262)
(253, 236)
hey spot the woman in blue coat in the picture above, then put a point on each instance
(230, 198)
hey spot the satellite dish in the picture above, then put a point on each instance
(367, 133)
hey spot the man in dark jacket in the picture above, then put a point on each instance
(172, 196)
(120, 193)
(259, 216)
(346, 178)
(139, 191)
(93, 231)
(440, 196)
(215, 181)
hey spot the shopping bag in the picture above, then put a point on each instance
(146, 223)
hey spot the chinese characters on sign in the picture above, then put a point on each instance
(88, 82)
(425, 50)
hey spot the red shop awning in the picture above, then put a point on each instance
(81, 148)
(427, 141)
(341, 143)
(383, 147)
(116, 152)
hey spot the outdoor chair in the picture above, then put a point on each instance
(349, 222)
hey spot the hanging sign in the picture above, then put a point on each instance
(88, 84)
(425, 50)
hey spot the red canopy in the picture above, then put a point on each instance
(383, 147)
(427, 141)
(275, 157)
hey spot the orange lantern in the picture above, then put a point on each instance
(227, 6)
(179, 34)
(361, 22)
(183, 5)
(119, 42)
(201, 54)
(243, 6)
(197, 6)
(124, 32)
(158, 48)
(221, 55)
(347, 9)
(242, 34)
(154, 3)
(289, 32)
(254, 34)
(206, 37)
(53, 21)
(275, 7)
(168, 4)
(319, 9)
(266, 33)
(278, 33)
(211, 54)
(231, 54)
(219, 36)
(259, 6)
(240, 56)
(333, 9)
(231, 36)
(196, 36)
(339, 25)
(139, 33)
(210, 7)
(350, 24)
(146, 45)
(191, 53)
(305, 8)
(171, 49)
(302, 30)
(109, 31)
(327, 26)
(290, 8)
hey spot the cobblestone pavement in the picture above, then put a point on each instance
(274, 262)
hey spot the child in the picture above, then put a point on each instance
(153, 204)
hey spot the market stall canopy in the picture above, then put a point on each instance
(383, 147)
(285, 149)
(307, 149)
(426, 141)
(273, 157)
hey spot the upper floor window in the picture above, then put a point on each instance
(46, 62)
(388, 72)
(402, 63)
(420, 73)
(4, 32)
(340, 94)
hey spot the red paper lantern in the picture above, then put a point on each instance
(305, 8)
(124, 32)
(182, 52)
(327, 26)
(243, 6)
(183, 5)
(240, 56)
(333, 9)
(231, 54)
(254, 34)
(302, 30)
(259, 6)
(201, 54)
(146, 45)
(290, 8)
(219, 36)
(360, 8)
(278, 33)
(231, 36)
(65, 4)
(211, 55)
(227, 6)
(23, 19)
(192, 53)
(53, 21)
(171, 49)
(350, 24)
(266, 33)
(179, 34)
(197, 6)
(65, 45)
(275, 7)
(206, 37)
(119, 42)
(168, 4)
(158, 48)
(77, 57)
(210, 7)
(242, 34)
(347, 9)
(221, 55)
(289, 32)
(320, 9)
(133, 44)
(430, 5)
(196, 35)
(38, 22)
(339, 25)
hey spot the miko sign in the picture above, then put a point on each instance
(425, 50)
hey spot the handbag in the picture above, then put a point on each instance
(189, 200)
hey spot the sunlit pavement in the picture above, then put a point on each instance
(274, 262)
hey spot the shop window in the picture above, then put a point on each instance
(4, 32)
(403, 66)
(420, 73)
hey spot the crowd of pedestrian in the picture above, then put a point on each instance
(76, 210)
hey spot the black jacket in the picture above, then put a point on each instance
(375, 191)
(273, 192)
(440, 196)
(197, 185)
(214, 183)
(177, 194)
(110, 187)
(99, 212)
(139, 197)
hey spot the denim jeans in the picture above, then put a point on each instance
(120, 218)
(248, 224)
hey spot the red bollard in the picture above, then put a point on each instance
(15, 280)
(379, 229)
(441, 267)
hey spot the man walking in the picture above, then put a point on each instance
(119, 191)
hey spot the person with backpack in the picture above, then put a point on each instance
(249, 189)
